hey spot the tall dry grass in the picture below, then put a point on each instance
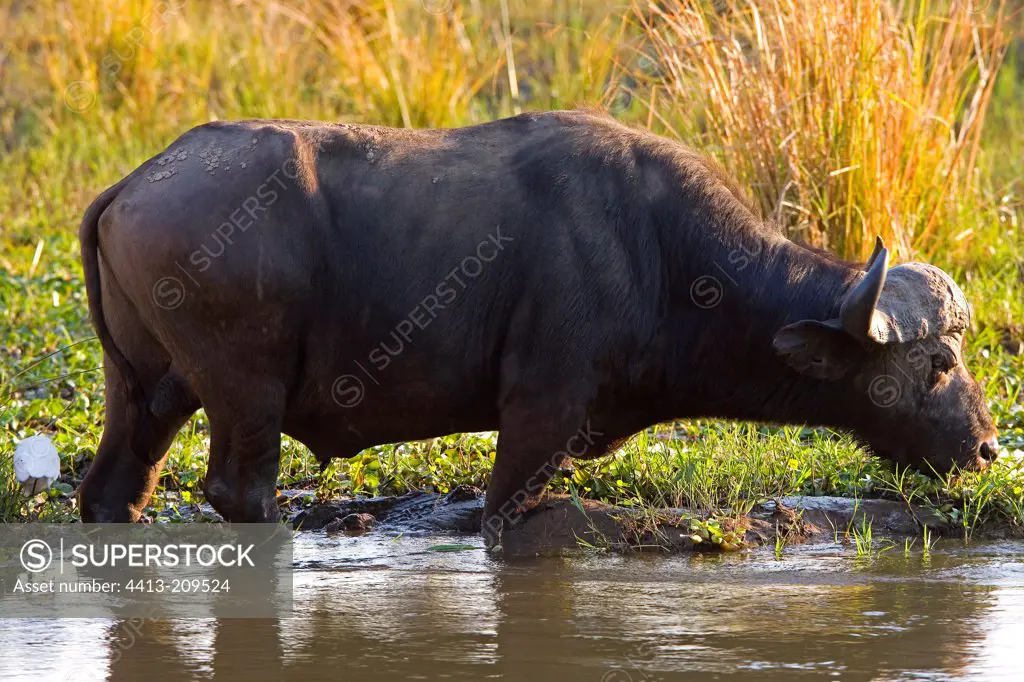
(397, 62)
(848, 118)
(90, 89)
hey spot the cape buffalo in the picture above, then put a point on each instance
(557, 277)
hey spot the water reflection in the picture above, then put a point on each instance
(382, 609)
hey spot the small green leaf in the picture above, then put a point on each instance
(64, 488)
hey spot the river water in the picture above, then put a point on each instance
(381, 608)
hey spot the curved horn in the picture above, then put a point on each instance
(858, 308)
(879, 248)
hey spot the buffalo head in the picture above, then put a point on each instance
(894, 357)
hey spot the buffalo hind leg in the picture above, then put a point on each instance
(532, 447)
(245, 456)
(129, 459)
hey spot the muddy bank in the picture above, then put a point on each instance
(559, 523)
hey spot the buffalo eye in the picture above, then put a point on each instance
(942, 362)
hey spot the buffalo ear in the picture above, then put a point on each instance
(822, 350)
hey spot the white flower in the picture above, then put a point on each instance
(36, 464)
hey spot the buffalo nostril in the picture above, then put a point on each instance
(989, 450)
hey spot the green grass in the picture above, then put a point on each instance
(453, 71)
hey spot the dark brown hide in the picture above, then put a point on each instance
(558, 277)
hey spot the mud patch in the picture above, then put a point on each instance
(560, 523)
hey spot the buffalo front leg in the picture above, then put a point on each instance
(532, 446)
(245, 456)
